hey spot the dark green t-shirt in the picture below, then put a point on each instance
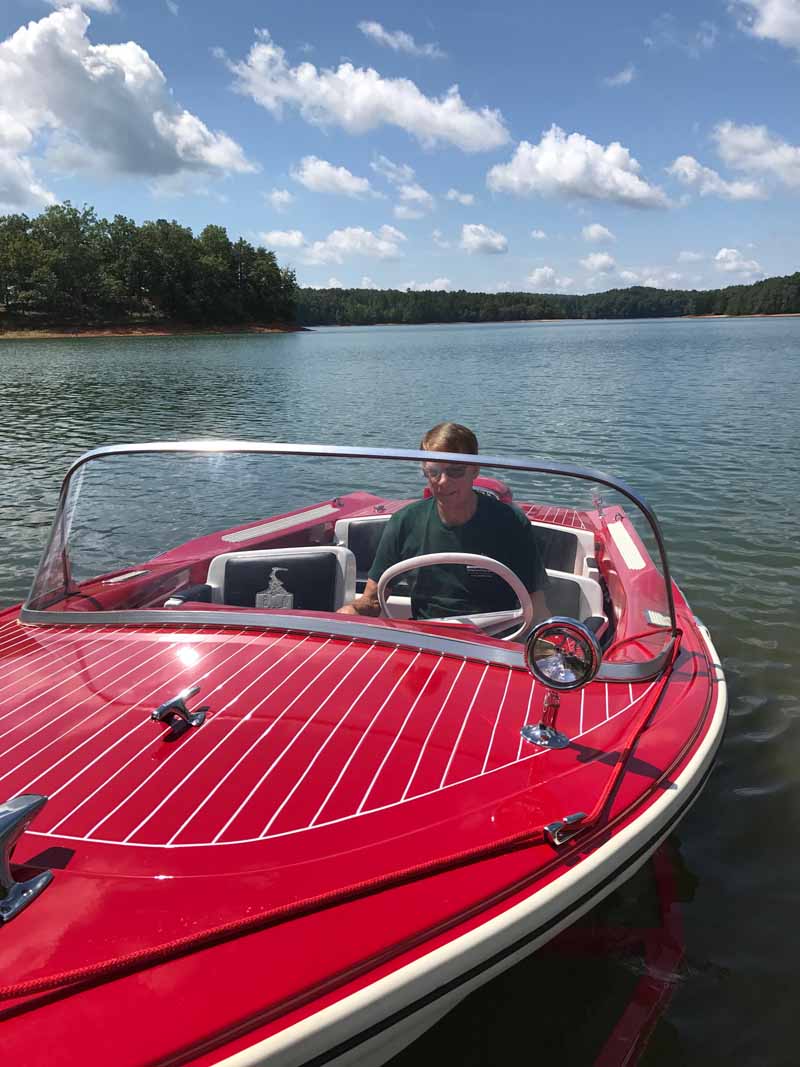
(496, 530)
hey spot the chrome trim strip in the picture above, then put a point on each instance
(350, 627)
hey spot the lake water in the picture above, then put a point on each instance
(702, 417)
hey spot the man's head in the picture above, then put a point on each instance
(450, 483)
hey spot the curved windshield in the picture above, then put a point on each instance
(260, 535)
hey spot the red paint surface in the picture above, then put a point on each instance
(323, 762)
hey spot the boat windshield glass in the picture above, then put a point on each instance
(266, 533)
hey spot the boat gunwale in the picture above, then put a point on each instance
(349, 627)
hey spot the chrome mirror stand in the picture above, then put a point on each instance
(544, 733)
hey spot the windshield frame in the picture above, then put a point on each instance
(352, 625)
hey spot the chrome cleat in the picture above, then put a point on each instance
(15, 817)
(175, 713)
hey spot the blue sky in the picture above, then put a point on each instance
(567, 147)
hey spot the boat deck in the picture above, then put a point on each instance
(302, 731)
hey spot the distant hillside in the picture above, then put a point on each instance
(364, 307)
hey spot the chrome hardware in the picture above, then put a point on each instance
(544, 736)
(177, 715)
(544, 733)
(561, 831)
(15, 817)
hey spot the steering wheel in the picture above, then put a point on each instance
(484, 562)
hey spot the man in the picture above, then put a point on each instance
(455, 518)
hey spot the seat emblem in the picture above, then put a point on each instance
(276, 595)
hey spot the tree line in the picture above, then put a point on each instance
(362, 307)
(68, 266)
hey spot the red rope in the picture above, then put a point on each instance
(149, 957)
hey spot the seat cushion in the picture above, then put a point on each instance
(282, 581)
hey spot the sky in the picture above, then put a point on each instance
(491, 146)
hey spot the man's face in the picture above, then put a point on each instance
(451, 483)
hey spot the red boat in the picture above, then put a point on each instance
(241, 828)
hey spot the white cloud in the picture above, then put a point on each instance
(574, 166)
(368, 283)
(438, 284)
(105, 7)
(547, 278)
(333, 283)
(774, 20)
(652, 277)
(538, 235)
(732, 261)
(467, 199)
(475, 237)
(404, 211)
(19, 186)
(666, 33)
(755, 149)
(414, 202)
(439, 239)
(343, 244)
(690, 257)
(399, 41)
(184, 184)
(624, 77)
(396, 173)
(360, 100)
(598, 262)
(597, 234)
(663, 280)
(283, 238)
(688, 171)
(173, 7)
(320, 176)
(280, 199)
(100, 108)
(18, 183)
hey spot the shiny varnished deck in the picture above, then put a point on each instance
(303, 731)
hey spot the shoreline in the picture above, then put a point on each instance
(184, 330)
(165, 330)
(523, 322)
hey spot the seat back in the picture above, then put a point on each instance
(573, 596)
(361, 536)
(557, 548)
(321, 578)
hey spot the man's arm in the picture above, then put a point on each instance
(366, 604)
(386, 554)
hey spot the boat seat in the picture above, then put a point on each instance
(321, 578)
(574, 596)
(361, 536)
(558, 549)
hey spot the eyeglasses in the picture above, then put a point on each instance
(433, 472)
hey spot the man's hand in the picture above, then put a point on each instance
(366, 604)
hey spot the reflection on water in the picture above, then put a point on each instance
(700, 416)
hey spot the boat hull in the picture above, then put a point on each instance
(373, 1025)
